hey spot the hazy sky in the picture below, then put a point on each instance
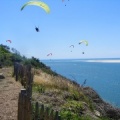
(97, 21)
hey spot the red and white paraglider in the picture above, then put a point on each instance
(9, 41)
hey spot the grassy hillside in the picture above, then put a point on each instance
(73, 101)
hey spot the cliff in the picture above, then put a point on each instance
(75, 102)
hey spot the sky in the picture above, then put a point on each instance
(69, 22)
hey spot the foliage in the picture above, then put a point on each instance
(73, 110)
(5, 56)
(9, 56)
(68, 115)
(74, 106)
(104, 118)
(38, 88)
(35, 62)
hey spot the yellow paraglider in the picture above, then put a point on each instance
(84, 41)
(37, 3)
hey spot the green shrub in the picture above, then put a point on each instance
(74, 106)
(68, 115)
(38, 88)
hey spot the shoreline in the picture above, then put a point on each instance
(103, 61)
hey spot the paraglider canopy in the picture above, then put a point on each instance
(72, 46)
(84, 41)
(37, 3)
(49, 54)
(8, 41)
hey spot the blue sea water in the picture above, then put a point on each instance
(103, 75)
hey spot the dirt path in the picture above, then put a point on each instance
(9, 91)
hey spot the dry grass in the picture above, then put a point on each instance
(54, 82)
(51, 82)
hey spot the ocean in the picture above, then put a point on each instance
(103, 75)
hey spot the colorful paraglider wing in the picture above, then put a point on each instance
(8, 41)
(84, 41)
(37, 3)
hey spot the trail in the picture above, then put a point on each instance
(9, 91)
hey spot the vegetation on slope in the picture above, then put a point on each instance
(73, 101)
(9, 56)
(70, 99)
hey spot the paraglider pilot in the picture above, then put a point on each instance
(37, 29)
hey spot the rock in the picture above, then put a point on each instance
(1, 76)
(104, 108)
(113, 113)
(97, 113)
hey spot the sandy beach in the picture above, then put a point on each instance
(104, 61)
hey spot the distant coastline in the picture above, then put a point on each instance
(100, 60)
(104, 61)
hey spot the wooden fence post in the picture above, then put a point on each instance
(21, 104)
(46, 114)
(25, 110)
(36, 111)
(42, 112)
(57, 117)
(23, 92)
(29, 116)
(51, 115)
(25, 107)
